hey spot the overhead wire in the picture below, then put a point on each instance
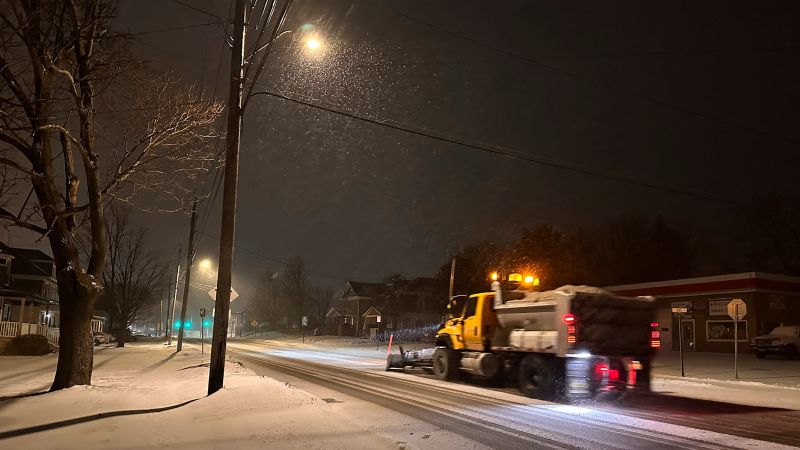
(495, 149)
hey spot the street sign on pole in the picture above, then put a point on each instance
(737, 309)
(680, 310)
(254, 323)
(213, 294)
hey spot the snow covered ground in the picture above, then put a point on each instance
(147, 396)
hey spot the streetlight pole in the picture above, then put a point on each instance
(174, 297)
(216, 372)
(188, 274)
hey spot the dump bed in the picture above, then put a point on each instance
(610, 325)
(604, 324)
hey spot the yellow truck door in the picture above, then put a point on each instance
(478, 321)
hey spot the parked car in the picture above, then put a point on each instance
(783, 340)
(101, 338)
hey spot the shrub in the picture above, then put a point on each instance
(28, 345)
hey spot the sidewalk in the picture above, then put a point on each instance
(147, 396)
(719, 366)
(771, 383)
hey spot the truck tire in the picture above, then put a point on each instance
(536, 378)
(445, 364)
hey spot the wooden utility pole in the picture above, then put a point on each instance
(452, 278)
(174, 298)
(216, 373)
(187, 273)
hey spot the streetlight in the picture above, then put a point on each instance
(205, 264)
(313, 44)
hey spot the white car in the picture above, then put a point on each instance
(783, 340)
(101, 338)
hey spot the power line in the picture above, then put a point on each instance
(607, 86)
(200, 10)
(499, 150)
(166, 30)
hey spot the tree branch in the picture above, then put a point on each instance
(7, 216)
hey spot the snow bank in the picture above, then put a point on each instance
(147, 396)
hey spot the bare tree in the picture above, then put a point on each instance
(322, 300)
(267, 302)
(68, 136)
(295, 287)
(133, 277)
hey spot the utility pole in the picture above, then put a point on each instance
(174, 297)
(216, 373)
(187, 273)
(452, 278)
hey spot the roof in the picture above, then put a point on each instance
(26, 253)
(28, 261)
(29, 297)
(362, 289)
(372, 311)
(339, 311)
(738, 282)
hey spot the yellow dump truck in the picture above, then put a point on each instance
(572, 342)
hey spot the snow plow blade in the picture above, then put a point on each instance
(414, 358)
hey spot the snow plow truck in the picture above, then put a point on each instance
(569, 343)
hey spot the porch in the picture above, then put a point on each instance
(9, 330)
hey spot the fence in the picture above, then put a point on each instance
(11, 329)
(8, 329)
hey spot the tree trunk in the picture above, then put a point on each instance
(120, 335)
(76, 349)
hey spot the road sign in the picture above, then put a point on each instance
(254, 323)
(213, 294)
(305, 321)
(737, 309)
(680, 310)
(202, 312)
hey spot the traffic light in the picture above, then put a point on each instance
(177, 324)
(187, 325)
(206, 323)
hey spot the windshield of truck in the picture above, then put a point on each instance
(785, 331)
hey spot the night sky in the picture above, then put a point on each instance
(698, 96)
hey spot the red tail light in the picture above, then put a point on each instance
(568, 319)
(655, 335)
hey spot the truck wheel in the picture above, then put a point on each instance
(759, 355)
(445, 364)
(537, 378)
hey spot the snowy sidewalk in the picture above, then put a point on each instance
(146, 396)
(773, 383)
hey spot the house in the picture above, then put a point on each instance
(366, 309)
(770, 300)
(28, 294)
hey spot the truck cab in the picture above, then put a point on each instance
(471, 323)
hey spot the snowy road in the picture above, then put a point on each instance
(426, 413)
